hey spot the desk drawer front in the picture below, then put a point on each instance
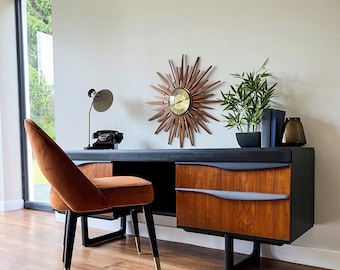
(252, 202)
(97, 169)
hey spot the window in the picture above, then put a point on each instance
(34, 23)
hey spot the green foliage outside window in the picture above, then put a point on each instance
(39, 19)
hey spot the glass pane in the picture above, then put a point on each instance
(38, 50)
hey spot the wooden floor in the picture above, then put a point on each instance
(31, 240)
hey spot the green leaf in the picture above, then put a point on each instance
(246, 100)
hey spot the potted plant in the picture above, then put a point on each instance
(245, 102)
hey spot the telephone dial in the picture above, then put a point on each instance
(107, 139)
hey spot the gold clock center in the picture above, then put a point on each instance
(179, 101)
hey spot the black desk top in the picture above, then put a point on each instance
(278, 154)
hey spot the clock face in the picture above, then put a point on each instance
(179, 101)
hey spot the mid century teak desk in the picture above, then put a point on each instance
(263, 195)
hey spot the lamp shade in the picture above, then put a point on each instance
(102, 100)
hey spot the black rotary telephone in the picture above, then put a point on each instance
(107, 139)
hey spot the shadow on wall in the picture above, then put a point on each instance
(325, 138)
(302, 98)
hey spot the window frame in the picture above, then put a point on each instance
(22, 110)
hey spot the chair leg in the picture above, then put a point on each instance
(71, 224)
(89, 242)
(136, 229)
(152, 235)
(64, 240)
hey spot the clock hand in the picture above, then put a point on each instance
(180, 101)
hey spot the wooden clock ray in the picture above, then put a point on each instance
(182, 103)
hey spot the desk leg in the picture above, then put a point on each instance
(229, 252)
(253, 258)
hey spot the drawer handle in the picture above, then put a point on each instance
(236, 195)
(239, 166)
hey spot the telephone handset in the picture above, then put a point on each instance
(107, 139)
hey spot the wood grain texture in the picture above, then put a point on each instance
(31, 240)
(266, 219)
(99, 169)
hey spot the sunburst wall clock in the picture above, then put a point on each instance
(182, 104)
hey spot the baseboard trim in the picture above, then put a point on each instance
(328, 259)
(166, 230)
(11, 205)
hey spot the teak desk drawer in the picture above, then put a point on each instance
(252, 202)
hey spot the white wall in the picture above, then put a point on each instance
(121, 44)
(10, 160)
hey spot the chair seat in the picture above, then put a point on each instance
(119, 182)
(120, 191)
(125, 190)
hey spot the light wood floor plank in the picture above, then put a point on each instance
(31, 240)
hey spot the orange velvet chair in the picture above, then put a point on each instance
(81, 196)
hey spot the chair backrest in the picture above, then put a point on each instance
(68, 181)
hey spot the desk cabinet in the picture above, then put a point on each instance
(238, 206)
(269, 201)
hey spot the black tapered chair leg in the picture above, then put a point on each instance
(71, 224)
(136, 229)
(64, 240)
(84, 230)
(152, 235)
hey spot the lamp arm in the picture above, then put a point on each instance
(89, 145)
